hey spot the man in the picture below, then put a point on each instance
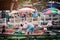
(23, 15)
(30, 28)
(3, 29)
(34, 15)
(49, 24)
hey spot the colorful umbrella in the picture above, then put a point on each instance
(54, 12)
(51, 12)
(48, 12)
(52, 9)
(55, 9)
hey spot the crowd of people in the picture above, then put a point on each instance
(29, 27)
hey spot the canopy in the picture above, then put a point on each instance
(51, 12)
(52, 9)
(14, 11)
(26, 9)
(54, 12)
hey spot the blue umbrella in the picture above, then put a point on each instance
(52, 9)
(55, 9)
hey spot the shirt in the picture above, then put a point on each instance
(49, 23)
(25, 26)
(34, 15)
(30, 25)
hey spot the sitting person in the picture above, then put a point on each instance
(20, 28)
(30, 28)
(3, 29)
(49, 24)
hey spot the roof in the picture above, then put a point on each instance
(6, 4)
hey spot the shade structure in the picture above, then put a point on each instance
(55, 9)
(52, 9)
(14, 11)
(51, 12)
(26, 9)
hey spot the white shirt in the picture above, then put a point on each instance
(58, 11)
(45, 28)
(49, 23)
(25, 26)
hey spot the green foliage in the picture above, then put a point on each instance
(24, 2)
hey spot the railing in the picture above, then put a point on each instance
(3, 21)
(18, 20)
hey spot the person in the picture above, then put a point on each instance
(40, 23)
(7, 17)
(30, 28)
(3, 29)
(23, 15)
(49, 24)
(34, 15)
(25, 25)
(0, 15)
(53, 23)
(20, 28)
(45, 29)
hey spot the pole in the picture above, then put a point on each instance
(14, 19)
(44, 18)
(51, 17)
(51, 4)
(12, 5)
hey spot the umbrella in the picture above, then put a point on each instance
(14, 11)
(48, 12)
(52, 9)
(26, 9)
(54, 12)
(55, 9)
(51, 12)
